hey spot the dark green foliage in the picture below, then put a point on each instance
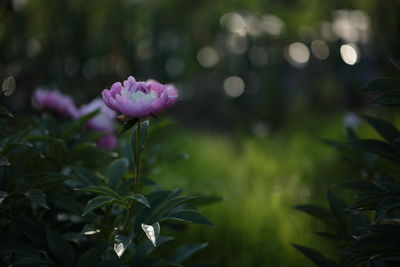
(64, 202)
(366, 231)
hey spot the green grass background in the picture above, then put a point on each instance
(259, 179)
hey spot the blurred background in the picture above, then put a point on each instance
(261, 83)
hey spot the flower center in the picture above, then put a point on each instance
(139, 95)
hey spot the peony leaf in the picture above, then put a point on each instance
(97, 202)
(38, 196)
(121, 244)
(152, 232)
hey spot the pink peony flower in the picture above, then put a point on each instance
(104, 121)
(139, 99)
(55, 100)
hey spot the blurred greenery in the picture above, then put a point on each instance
(260, 179)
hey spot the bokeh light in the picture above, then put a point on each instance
(298, 54)
(350, 54)
(234, 86)
(208, 57)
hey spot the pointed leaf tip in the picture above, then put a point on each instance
(152, 232)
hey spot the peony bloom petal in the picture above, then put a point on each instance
(139, 99)
(104, 121)
(54, 100)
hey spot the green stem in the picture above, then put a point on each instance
(137, 177)
(137, 160)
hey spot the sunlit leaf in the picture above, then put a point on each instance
(8, 86)
(98, 202)
(37, 196)
(116, 171)
(3, 196)
(395, 62)
(121, 244)
(152, 232)
(4, 162)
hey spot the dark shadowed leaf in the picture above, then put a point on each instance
(74, 127)
(128, 125)
(184, 252)
(66, 203)
(144, 126)
(92, 255)
(37, 261)
(101, 190)
(187, 216)
(337, 207)
(391, 98)
(386, 206)
(139, 198)
(384, 128)
(381, 86)
(5, 112)
(98, 202)
(116, 171)
(317, 212)
(111, 263)
(60, 248)
(367, 201)
(316, 257)
(86, 175)
(360, 186)
(378, 147)
(146, 248)
(37, 196)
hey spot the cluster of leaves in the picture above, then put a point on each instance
(366, 232)
(61, 205)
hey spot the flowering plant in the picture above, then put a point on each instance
(64, 202)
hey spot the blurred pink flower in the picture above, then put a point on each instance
(108, 141)
(139, 99)
(55, 100)
(104, 122)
